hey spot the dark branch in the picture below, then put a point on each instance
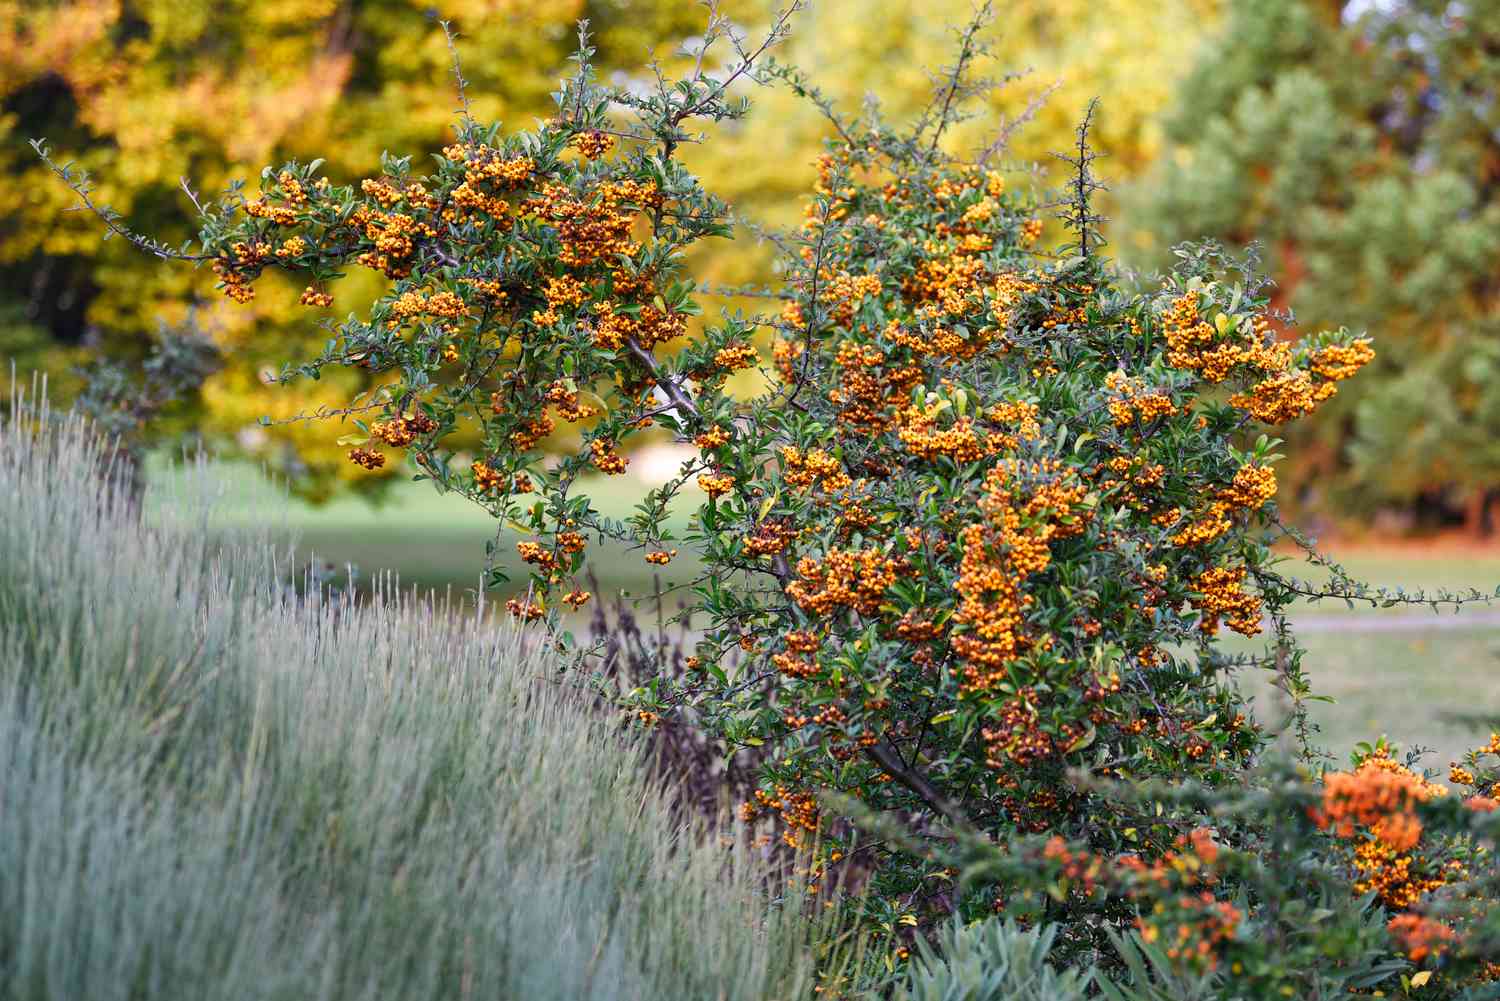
(668, 385)
(886, 757)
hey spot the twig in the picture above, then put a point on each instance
(458, 74)
(192, 196)
(78, 180)
(668, 386)
(778, 31)
(966, 52)
(1009, 126)
(323, 413)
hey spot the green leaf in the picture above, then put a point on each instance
(1082, 742)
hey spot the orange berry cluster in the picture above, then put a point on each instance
(770, 537)
(1420, 937)
(606, 459)
(566, 400)
(1214, 350)
(853, 580)
(445, 305)
(593, 144)
(1199, 926)
(238, 267)
(714, 437)
(486, 477)
(525, 610)
(716, 484)
(1337, 362)
(867, 389)
(1172, 895)
(403, 429)
(537, 555)
(797, 810)
(1019, 418)
(1379, 798)
(315, 297)
(1286, 388)
(369, 458)
(923, 439)
(735, 357)
(596, 225)
(1025, 507)
(803, 469)
(1221, 594)
(392, 236)
(1134, 405)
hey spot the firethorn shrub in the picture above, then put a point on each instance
(1374, 879)
(979, 534)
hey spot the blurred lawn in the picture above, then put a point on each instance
(1403, 682)
(431, 541)
(1407, 685)
(1403, 672)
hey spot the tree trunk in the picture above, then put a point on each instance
(1476, 514)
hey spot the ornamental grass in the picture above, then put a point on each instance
(221, 781)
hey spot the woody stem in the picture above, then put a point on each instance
(884, 755)
(668, 385)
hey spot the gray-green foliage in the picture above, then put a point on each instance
(1149, 976)
(215, 786)
(996, 960)
(991, 961)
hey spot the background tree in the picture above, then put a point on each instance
(143, 94)
(1362, 143)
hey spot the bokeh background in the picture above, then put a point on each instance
(1358, 142)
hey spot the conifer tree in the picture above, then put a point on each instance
(1361, 143)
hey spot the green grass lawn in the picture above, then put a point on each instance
(428, 540)
(1404, 683)
(1404, 672)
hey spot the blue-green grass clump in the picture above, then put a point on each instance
(219, 785)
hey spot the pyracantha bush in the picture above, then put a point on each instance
(1290, 884)
(982, 529)
(994, 516)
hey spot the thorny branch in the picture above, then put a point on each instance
(968, 50)
(81, 184)
(1078, 213)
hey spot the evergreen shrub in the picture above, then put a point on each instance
(968, 555)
